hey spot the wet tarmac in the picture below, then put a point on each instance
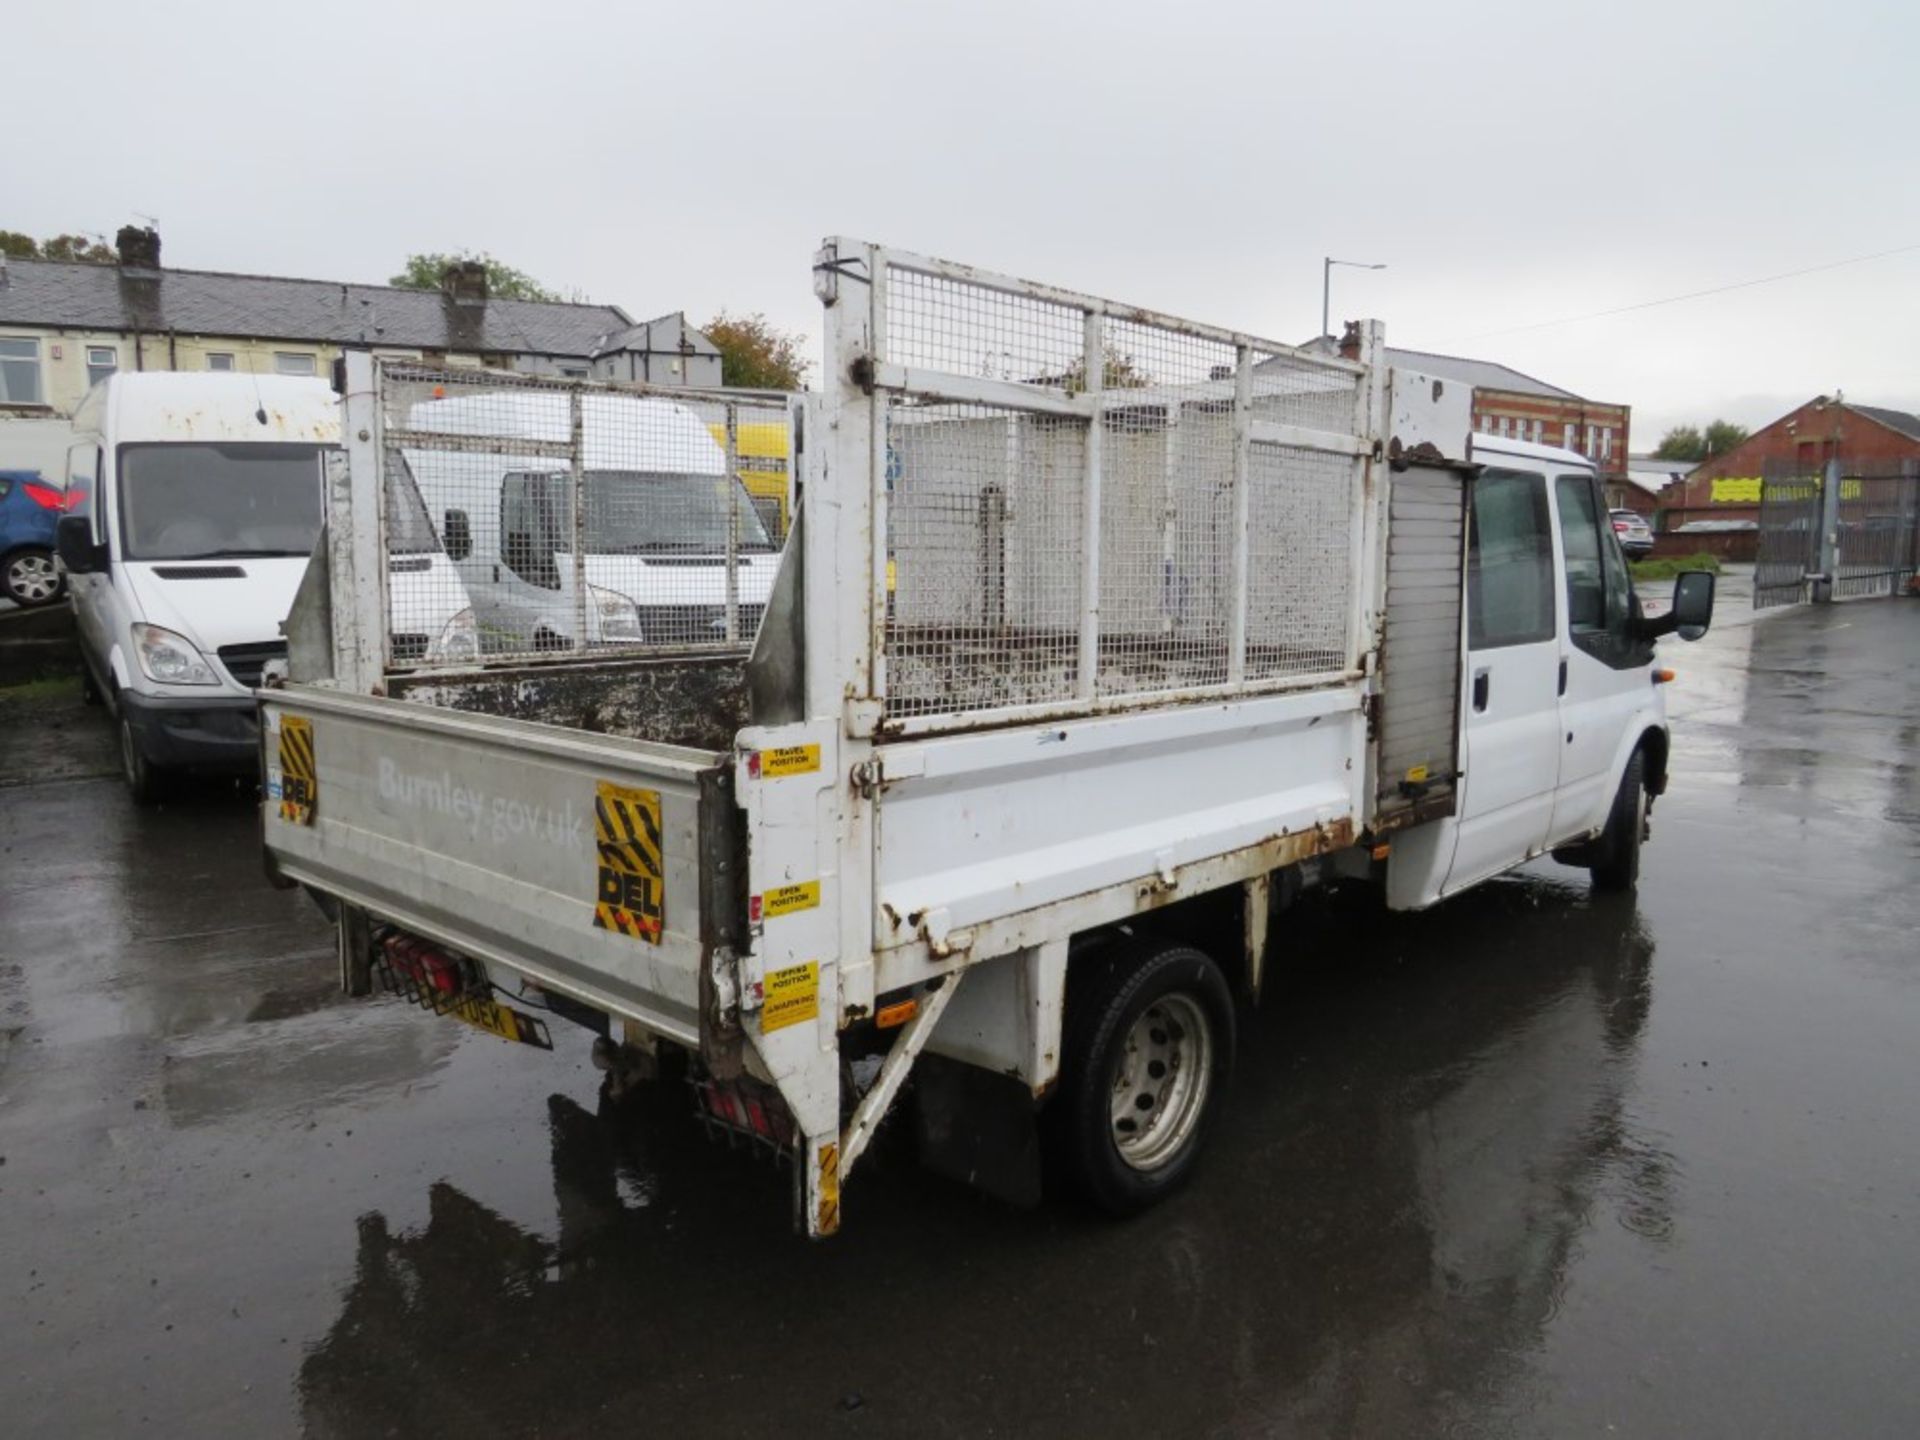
(1535, 1163)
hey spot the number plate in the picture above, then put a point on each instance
(502, 1020)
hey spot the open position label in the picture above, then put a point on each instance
(783, 760)
(630, 895)
(792, 997)
(299, 776)
(784, 900)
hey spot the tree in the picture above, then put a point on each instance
(1723, 435)
(1682, 442)
(1118, 372)
(19, 246)
(1689, 442)
(755, 354)
(426, 270)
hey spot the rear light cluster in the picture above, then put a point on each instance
(743, 1108)
(411, 968)
(45, 496)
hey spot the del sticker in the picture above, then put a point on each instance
(792, 997)
(628, 874)
(299, 775)
(785, 900)
(784, 760)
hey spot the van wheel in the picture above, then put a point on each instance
(146, 781)
(1148, 1048)
(30, 578)
(1618, 865)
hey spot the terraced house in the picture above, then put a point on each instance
(64, 326)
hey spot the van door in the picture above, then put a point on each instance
(1603, 667)
(1512, 680)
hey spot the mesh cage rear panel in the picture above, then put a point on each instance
(986, 509)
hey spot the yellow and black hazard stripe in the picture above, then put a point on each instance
(630, 889)
(299, 775)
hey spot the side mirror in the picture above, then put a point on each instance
(1693, 603)
(457, 535)
(73, 540)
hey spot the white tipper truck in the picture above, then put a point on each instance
(1099, 636)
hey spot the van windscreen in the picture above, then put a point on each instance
(199, 502)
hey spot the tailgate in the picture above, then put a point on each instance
(594, 865)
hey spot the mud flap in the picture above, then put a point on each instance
(978, 1128)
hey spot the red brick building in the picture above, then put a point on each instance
(1727, 487)
(1509, 402)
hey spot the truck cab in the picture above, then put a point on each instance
(1564, 717)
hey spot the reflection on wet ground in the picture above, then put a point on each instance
(1537, 1162)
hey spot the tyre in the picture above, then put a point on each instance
(1147, 1051)
(146, 782)
(1617, 866)
(30, 578)
(89, 692)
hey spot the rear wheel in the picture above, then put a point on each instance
(1617, 866)
(30, 577)
(1148, 1048)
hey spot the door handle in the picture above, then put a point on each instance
(1482, 683)
(1563, 674)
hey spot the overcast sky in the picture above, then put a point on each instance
(1511, 163)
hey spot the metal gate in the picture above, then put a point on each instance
(1875, 546)
(1789, 543)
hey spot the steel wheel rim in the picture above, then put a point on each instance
(1161, 1084)
(32, 577)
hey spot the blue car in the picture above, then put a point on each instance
(29, 510)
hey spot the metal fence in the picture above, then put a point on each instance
(528, 516)
(1086, 502)
(1875, 545)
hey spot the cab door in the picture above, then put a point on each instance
(1604, 676)
(1512, 730)
(90, 593)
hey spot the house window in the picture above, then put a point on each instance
(1538, 431)
(102, 361)
(1566, 436)
(19, 372)
(1606, 443)
(220, 360)
(287, 362)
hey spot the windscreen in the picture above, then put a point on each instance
(409, 527)
(201, 502)
(636, 513)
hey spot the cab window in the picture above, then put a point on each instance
(1600, 608)
(1509, 561)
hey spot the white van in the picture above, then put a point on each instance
(655, 516)
(193, 503)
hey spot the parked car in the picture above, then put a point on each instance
(29, 513)
(1636, 536)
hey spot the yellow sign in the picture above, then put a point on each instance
(1738, 490)
(785, 760)
(786, 899)
(828, 1210)
(299, 775)
(792, 997)
(630, 890)
(1416, 774)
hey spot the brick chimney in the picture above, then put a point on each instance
(1350, 341)
(139, 247)
(466, 281)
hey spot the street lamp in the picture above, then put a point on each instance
(1326, 283)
